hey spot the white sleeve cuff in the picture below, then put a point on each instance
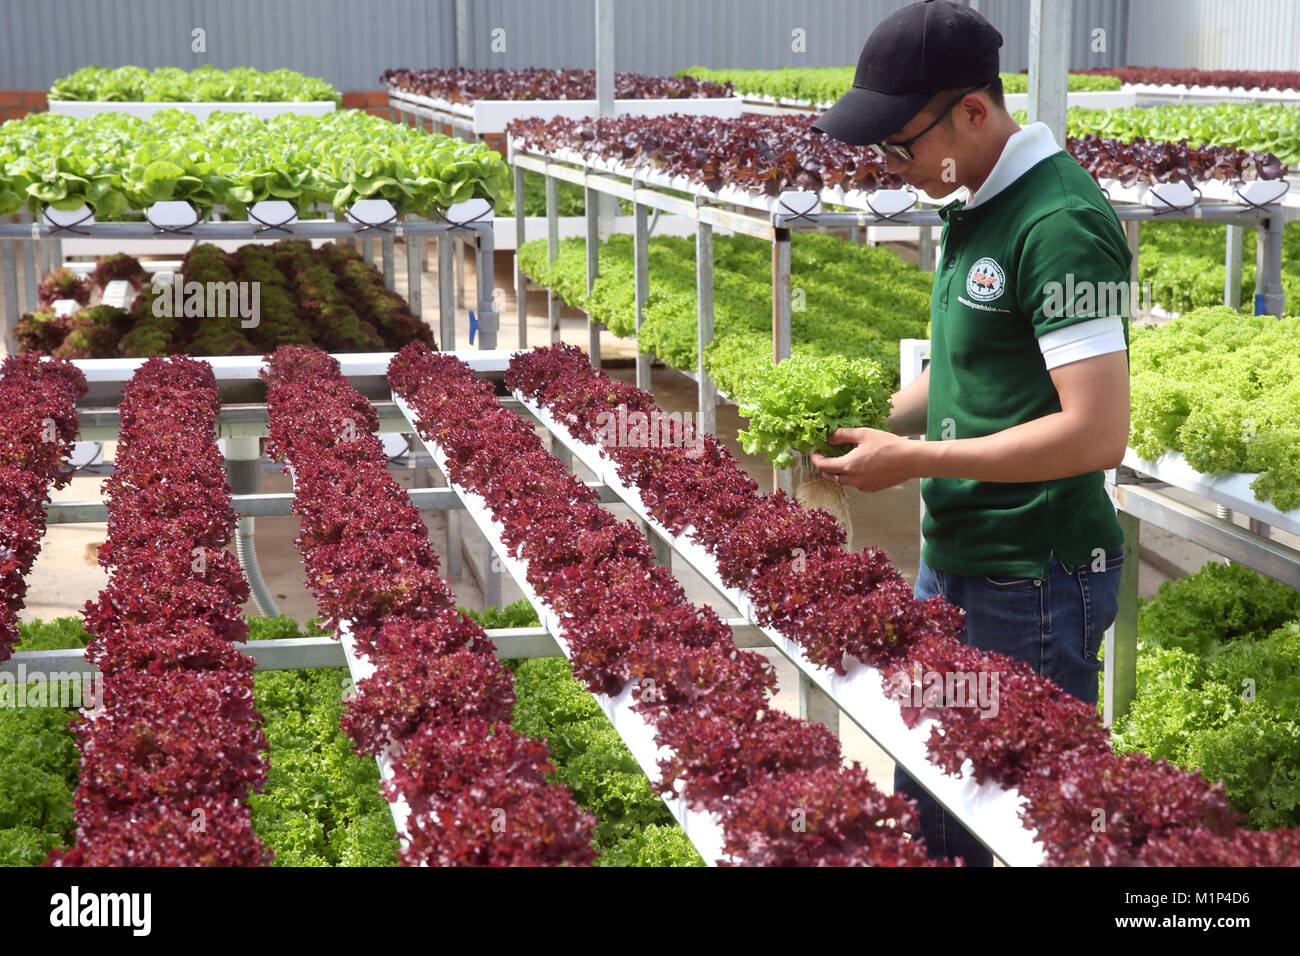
(1083, 340)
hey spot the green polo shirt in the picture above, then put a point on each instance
(992, 299)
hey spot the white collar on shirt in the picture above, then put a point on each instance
(1026, 148)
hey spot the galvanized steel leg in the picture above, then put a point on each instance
(460, 275)
(1268, 271)
(521, 282)
(1133, 233)
(414, 276)
(489, 320)
(492, 569)
(9, 282)
(593, 270)
(30, 300)
(708, 393)
(552, 251)
(390, 255)
(1119, 677)
(641, 267)
(925, 249)
(663, 551)
(817, 706)
(46, 260)
(446, 294)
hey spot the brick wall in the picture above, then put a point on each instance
(374, 102)
(15, 104)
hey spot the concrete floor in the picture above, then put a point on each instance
(66, 573)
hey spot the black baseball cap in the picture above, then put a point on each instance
(913, 54)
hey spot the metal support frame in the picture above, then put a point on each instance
(414, 277)
(9, 286)
(489, 319)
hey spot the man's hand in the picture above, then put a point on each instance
(1088, 434)
(879, 461)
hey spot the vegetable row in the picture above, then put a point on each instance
(770, 154)
(438, 704)
(173, 748)
(827, 84)
(1046, 745)
(1182, 76)
(464, 85)
(204, 84)
(117, 163)
(1223, 389)
(284, 294)
(1218, 387)
(38, 424)
(628, 622)
(1267, 132)
(322, 804)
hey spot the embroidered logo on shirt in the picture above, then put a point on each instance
(986, 280)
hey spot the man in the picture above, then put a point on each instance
(1025, 401)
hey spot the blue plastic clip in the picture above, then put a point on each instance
(473, 326)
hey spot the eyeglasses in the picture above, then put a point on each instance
(903, 151)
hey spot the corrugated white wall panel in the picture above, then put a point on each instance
(350, 42)
(1215, 34)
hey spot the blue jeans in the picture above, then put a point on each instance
(1054, 624)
